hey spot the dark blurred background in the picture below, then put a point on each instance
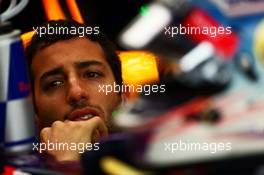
(111, 16)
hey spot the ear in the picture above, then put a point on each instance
(123, 100)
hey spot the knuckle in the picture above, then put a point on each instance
(44, 132)
(97, 119)
(56, 124)
(75, 124)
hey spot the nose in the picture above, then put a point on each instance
(76, 91)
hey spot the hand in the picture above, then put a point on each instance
(72, 132)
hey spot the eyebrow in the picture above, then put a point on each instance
(55, 71)
(84, 64)
(78, 65)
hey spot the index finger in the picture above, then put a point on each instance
(98, 124)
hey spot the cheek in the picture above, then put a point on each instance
(49, 110)
(109, 101)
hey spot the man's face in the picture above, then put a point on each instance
(67, 75)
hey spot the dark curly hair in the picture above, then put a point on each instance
(45, 40)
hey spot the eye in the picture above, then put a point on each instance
(92, 74)
(56, 83)
(53, 84)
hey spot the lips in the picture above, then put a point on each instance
(83, 114)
